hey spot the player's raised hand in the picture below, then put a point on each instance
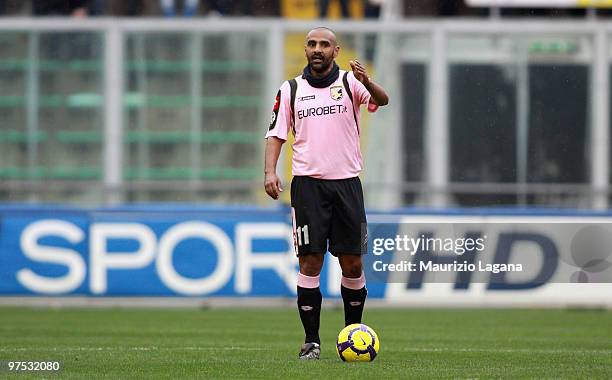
(359, 71)
(273, 185)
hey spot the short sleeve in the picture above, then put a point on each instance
(280, 121)
(361, 94)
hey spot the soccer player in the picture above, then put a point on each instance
(321, 108)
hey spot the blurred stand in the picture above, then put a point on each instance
(477, 117)
(75, 8)
(220, 7)
(54, 45)
(131, 8)
(169, 8)
(324, 7)
(272, 8)
(371, 8)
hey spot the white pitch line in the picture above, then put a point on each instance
(60, 349)
(240, 348)
(508, 350)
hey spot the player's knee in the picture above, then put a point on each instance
(310, 270)
(311, 265)
(352, 270)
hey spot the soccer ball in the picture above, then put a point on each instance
(357, 343)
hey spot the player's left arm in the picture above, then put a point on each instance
(377, 94)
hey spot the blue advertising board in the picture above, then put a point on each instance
(152, 251)
(211, 252)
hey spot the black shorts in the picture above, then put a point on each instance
(328, 211)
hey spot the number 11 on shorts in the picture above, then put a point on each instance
(300, 233)
(302, 239)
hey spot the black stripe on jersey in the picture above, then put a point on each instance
(350, 95)
(293, 86)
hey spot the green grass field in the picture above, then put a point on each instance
(263, 343)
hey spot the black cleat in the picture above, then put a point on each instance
(310, 351)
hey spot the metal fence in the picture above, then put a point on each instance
(482, 112)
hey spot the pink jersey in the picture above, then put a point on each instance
(325, 125)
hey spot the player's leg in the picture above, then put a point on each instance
(311, 218)
(309, 295)
(348, 241)
(352, 288)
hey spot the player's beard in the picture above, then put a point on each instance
(322, 67)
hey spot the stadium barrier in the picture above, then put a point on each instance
(210, 253)
(170, 107)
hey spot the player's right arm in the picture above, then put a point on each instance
(280, 124)
(271, 182)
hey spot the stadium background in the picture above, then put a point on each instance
(132, 148)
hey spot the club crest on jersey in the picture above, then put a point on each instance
(335, 92)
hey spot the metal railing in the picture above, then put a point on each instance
(435, 189)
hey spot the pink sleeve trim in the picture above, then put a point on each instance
(372, 107)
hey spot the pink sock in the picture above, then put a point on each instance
(309, 282)
(354, 283)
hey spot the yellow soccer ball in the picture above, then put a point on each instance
(357, 343)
